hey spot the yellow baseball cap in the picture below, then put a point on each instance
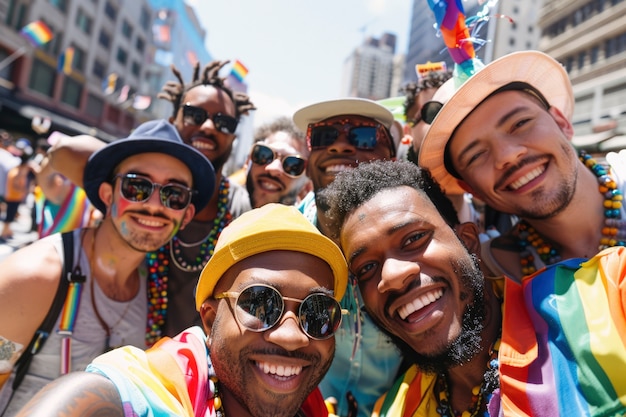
(270, 227)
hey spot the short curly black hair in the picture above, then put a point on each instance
(175, 91)
(433, 79)
(354, 187)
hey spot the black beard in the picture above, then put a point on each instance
(468, 343)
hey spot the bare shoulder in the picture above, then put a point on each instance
(37, 263)
(76, 394)
(29, 278)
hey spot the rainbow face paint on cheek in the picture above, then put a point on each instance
(120, 206)
(123, 229)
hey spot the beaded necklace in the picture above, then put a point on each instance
(481, 394)
(159, 266)
(218, 404)
(207, 245)
(613, 232)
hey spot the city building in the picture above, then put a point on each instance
(100, 72)
(368, 71)
(589, 38)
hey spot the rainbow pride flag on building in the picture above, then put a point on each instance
(239, 71)
(37, 33)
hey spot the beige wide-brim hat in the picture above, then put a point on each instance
(537, 69)
(346, 106)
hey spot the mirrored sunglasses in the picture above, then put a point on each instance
(193, 115)
(260, 307)
(360, 134)
(293, 165)
(138, 189)
(428, 112)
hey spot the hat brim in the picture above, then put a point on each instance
(101, 165)
(345, 106)
(270, 228)
(535, 68)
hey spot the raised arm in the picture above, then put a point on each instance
(77, 394)
(69, 154)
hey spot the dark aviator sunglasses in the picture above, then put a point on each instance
(360, 134)
(196, 116)
(293, 165)
(137, 189)
(427, 114)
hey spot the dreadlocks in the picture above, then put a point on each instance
(433, 79)
(174, 91)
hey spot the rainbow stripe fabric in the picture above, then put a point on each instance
(73, 213)
(239, 71)
(171, 379)
(157, 382)
(37, 33)
(563, 347)
(563, 350)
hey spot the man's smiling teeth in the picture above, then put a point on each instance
(527, 178)
(421, 302)
(279, 370)
(150, 223)
(337, 168)
(199, 144)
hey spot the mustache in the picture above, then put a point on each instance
(509, 172)
(277, 351)
(150, 214)
(273, 178)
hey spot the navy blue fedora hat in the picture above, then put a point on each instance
(158, 136)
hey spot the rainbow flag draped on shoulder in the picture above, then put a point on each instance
(563, 350)
(75, 212)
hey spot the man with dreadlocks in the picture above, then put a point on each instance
(206, 114)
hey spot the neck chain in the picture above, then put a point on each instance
(105, 326)
(159, 266)
(481, 394)
(613, 232)
(207, 244)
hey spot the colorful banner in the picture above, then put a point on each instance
(64, 64)
(37, 33)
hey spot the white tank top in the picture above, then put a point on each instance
(127, 320)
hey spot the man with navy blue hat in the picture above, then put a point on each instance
(145, 185)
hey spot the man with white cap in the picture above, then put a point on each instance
(341, 134)
(268, 299)
(505, 136)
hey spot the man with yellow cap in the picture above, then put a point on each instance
(268, 299)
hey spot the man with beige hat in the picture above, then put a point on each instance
(505, 136)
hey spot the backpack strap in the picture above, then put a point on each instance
(41, 335)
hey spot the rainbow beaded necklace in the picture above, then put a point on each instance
(159, 266)
(613, 232)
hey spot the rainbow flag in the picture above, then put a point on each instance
(239, 71)
(563, 350)
(37, 33)
(64, 64)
